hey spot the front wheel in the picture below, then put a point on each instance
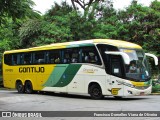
(95, 91)
(19, 87)
(28, 87)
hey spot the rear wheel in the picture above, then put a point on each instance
(28, 87)
(19, 87)
(95, 91)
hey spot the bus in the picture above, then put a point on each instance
(97, 67)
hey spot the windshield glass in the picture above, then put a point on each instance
(138, 69)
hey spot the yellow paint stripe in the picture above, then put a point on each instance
(138, 83)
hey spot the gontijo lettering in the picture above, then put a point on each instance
(31, 70)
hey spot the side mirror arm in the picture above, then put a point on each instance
(154, 57)
(124, 55)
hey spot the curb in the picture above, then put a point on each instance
(3, 88)
(155, 93)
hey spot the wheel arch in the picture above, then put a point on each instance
(27, 81)
(18, 80)
(92, 83)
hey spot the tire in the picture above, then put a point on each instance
(95, 91)
(28, 87)
(19, 87)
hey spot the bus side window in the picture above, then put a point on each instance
(54, 57)
(27, 58)
(75, 58)
(14, 59)
(66, 56)
(90, 55)
(8, 59)
(39, 57)
(71, 55)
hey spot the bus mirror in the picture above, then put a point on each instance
(154, 57)
(124, 55)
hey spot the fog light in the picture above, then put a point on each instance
(130, 92)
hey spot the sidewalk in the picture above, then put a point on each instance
(155, 93)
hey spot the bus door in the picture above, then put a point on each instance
(116, 74)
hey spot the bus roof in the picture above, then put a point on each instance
(117, 43)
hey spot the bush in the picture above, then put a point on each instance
(155, 87)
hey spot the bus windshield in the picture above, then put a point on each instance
(138, 69)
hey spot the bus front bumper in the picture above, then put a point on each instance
(128, 91)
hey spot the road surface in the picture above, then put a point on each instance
(10, 100)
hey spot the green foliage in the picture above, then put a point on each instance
(56, 25)
(156, 88)
(52, 33)
(156, 84)
(107, 23)
(142, 25)
(8, 39)
(59, 24)
(12, 14)
(16, 9)
(29, 32)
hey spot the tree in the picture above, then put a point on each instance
(12, 14)
(53, 27)
(141, 25)
(86, 5)
(29, 32)
(8, 38)
(16, 9)
(152, 28)
(107, 22)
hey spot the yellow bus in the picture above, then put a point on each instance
(99, 67)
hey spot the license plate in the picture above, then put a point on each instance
(142, 93)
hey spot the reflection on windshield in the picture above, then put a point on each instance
(138, 68)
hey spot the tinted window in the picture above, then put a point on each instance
(8, 59)
(26, 58)
(116, 66)
(12, 59)
(39, 57)
(16, 59)
(53, 56)
(90, 55)
(102, 49)
(65, 56)
(71, 55)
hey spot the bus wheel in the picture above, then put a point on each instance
(19, 87)
(95, 91)
(28, 87)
